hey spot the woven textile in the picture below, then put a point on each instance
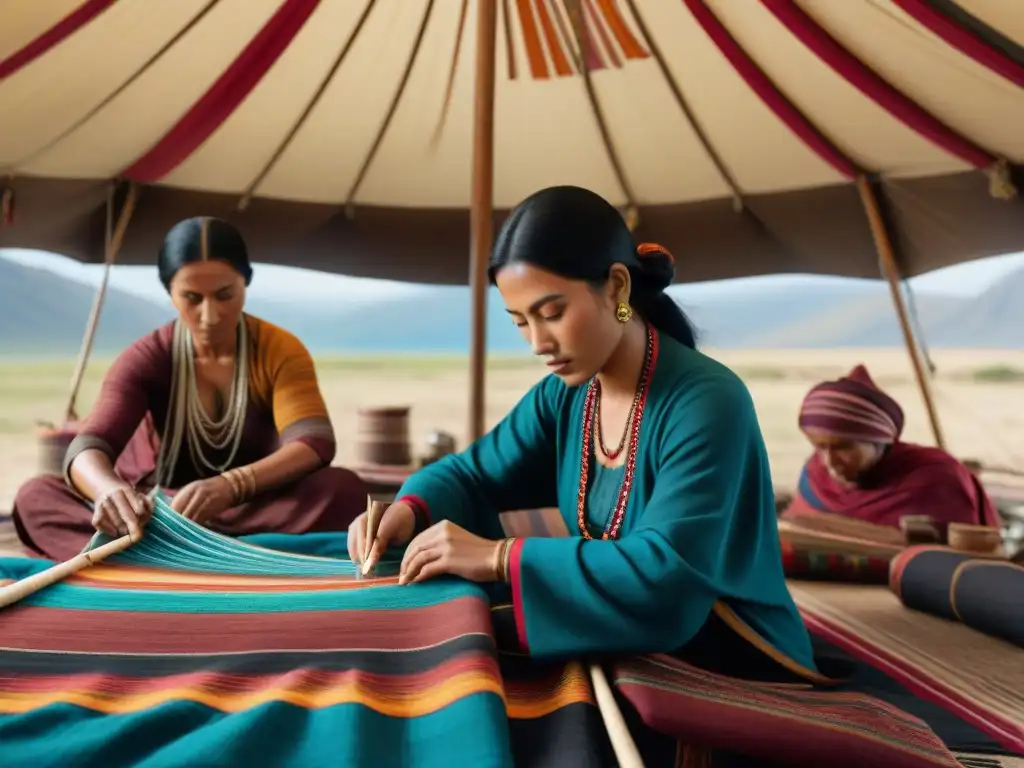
(971, 675)
(822, 548)
(192, 649)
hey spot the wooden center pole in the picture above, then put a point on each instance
(482, 207)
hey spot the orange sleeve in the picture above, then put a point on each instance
(286, 378)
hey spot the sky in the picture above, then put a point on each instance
(277, 283)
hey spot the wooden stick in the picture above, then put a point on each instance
(374, 512)
(481, 210)
(114, 239)
(891, 272)
(626, 752)
(19, 590)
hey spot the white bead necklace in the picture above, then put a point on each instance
(187, 420)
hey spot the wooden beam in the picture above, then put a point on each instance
(482, 207)
(891, 272)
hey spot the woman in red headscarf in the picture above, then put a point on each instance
(861, 470)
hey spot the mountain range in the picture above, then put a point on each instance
(44, 314)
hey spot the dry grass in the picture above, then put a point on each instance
(979, 395)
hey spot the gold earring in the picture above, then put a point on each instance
(623, 312)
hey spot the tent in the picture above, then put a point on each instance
(751, 137)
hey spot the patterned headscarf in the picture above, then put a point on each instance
(853, 408)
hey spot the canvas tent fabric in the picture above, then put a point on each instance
(338, 133)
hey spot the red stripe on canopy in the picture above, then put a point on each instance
(224, 96)
(872, 85)
(963, 40)
(766, 90)
(54, 36)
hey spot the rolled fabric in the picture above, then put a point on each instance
(824, 547)
(811, 562)
(984, 593)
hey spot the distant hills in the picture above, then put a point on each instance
(830, 313)
(42, 313)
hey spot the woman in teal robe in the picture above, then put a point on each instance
(678, 541)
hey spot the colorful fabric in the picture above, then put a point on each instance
(853, 408)
(908, 480)
(191, 648)
(820, 562)
(783, 724)
(699, 529)
(983, 593)
(828, 547)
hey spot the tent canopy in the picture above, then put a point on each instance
(338, 133)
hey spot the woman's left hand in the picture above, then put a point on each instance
(447, 548)
(203, 500)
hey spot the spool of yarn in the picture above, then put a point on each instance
(53, 445)
(382, 436)
(980, 539)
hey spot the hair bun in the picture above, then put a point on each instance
(653, 250)
(657, 264)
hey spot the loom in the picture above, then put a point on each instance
(192, 648)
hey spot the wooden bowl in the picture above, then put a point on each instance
(982, 539)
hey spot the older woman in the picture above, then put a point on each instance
(860, 469)
(219, 408)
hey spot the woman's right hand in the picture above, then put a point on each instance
(397, 526)
(122, 510)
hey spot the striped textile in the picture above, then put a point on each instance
(831, 548)
(957, 668)
(853, 408)
(195, 649)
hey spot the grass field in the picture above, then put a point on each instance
(980, 396)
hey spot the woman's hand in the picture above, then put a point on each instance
(122, 510)
(396, 527)
(203, 500)
(447, 548)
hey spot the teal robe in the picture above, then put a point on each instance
(700, 525)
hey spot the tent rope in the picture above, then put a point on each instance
(113, 238)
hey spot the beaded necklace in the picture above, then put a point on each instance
(590, 417)
(187, 421)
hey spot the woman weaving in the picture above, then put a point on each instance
(861, 469)
(651, 451)
(218, 408)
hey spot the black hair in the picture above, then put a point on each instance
(202, 239)
(579, 235)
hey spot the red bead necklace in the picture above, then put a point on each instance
(590, 418)
(612, 455)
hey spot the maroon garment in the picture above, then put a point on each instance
(54, 521)
(285, 405)
(908, 480)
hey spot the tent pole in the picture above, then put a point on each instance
(113, 238)
(891, 272)
(482, 207)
